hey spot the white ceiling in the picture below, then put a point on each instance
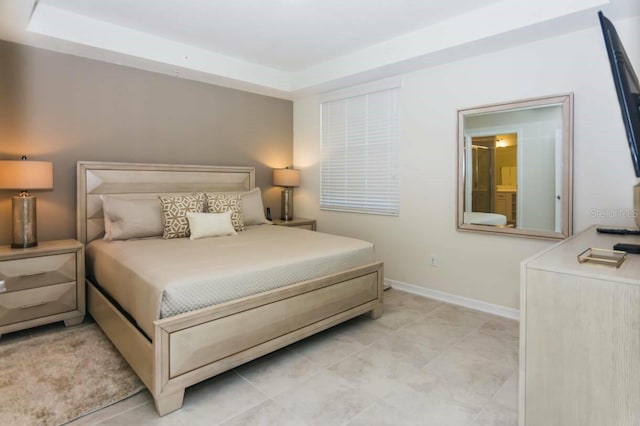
(287, 35)
(286, 48)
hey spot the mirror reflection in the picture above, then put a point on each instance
(515, 165)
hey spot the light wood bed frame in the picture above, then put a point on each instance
(188, 348)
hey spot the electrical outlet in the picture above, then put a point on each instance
(434, 260)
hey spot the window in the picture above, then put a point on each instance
(360, 153)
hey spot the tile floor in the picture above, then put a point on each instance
(423, 362)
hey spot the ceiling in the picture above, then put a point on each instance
(287, 48)
(287, 35)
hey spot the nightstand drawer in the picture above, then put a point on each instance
(37, 302)
(34, 272)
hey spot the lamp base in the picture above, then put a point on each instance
(24, 222)
(286, 207)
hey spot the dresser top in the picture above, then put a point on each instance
(563, 257)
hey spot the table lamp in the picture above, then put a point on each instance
(24, 176)
(288, 179)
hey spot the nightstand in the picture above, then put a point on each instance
(42, 284)
(298, 222)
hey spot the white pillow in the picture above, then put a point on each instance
(204, 225)
(252, 208)
(131, 218)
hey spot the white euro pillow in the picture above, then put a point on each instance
(131, 218)
(205, 225)
(252, 208)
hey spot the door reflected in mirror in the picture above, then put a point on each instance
(515, 167)
(494, 175)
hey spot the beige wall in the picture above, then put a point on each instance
(63, 108)
(474, 265)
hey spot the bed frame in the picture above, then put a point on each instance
(189, 348)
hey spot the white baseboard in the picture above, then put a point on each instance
(455, 299)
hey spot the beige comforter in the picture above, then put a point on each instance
(156, 278)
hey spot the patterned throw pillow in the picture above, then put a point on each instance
(220, 202)
(174, 214)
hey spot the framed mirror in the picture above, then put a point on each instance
(515, 164)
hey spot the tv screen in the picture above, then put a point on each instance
(627, 87)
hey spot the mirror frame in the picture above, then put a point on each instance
(566, 102)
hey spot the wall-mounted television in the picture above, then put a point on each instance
(627, 87)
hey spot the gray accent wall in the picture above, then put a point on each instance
(62, 108)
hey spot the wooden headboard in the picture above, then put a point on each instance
(135, 180)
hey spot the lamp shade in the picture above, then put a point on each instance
(26, 175)
(286, 177)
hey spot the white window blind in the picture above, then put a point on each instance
(360, 154)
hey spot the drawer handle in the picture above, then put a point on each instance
(33, 305)
(32, 275)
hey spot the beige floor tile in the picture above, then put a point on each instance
(435, 333)
(502, 349)
(375, 371)
(220, 395)
(494, 414)
(461, 316)
(462, 377)
(431, 409)
(325, 399)
(395, 317)
(363, 330)
(402, 299)
(443, 412)
(383, 414)
(266, 414)
(144, 415)
(507, 395)
(501, 327)
(327, 348)
(457, 392)
(279, 371)
(210, 402)
(406, 349)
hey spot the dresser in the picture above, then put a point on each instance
(580, 336)
(42, 284)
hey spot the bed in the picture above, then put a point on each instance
(479, 218)
(174, 350)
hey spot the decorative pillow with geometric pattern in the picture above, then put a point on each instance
(220, 202)
(174, 214)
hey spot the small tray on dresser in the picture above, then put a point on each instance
(602, 257)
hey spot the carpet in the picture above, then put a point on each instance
(57, 377)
